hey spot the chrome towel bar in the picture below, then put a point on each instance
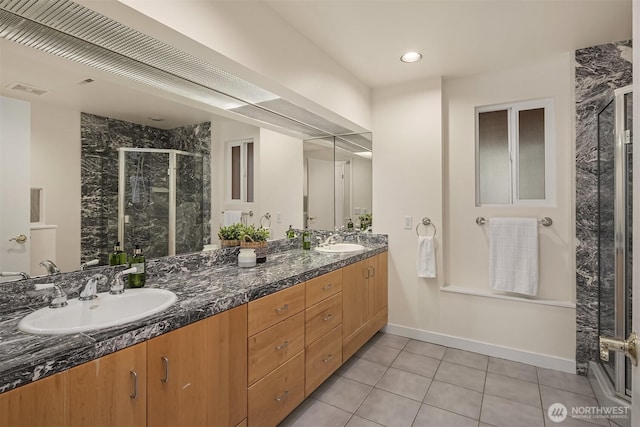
(426, 222)
(546, 221)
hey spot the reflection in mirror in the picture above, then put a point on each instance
(337, 191)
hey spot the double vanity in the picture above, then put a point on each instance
(238, 346)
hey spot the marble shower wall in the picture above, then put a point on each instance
(148, 203)
(599, 71)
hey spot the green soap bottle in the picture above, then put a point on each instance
(350, 225)
(136, 280)
(291, 233)
(306, 239)
(117, 257)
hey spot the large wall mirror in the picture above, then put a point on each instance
(90, 133)
(337, 187)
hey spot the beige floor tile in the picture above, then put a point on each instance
(364, 371)
(416, 364)
(357, 421)
(342, 392)
(394, 341)
(430, 416)
(513, 369)
(313, 413)
(513, 389)
(405, 384)
(456, 399)
(565, 381)
(379, 353)
(462, 376)
(388, 409)
(570, 400)
(466, 358)
(425, 349)
(506, 413)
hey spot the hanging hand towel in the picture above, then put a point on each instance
(513, 255)
(231, 217)
(426, 257)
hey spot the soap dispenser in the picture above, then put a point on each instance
(306, 239)
(117, 257)
(291, 234)
(137, 279)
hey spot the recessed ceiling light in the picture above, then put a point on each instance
(411, 57)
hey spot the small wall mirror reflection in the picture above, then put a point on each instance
(37, 214)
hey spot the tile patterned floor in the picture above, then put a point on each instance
(394, 381)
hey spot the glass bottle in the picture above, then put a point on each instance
(291, 233)
(137, 279)
(117, 257)
(306, 239)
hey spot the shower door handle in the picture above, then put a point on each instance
(629, 347)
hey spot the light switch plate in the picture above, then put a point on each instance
(408, 222)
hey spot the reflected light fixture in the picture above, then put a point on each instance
(410, 57)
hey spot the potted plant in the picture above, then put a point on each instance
(230, 235)
(365, 221)
(255, 238)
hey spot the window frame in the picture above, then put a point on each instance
(513, 108)
(244, 172)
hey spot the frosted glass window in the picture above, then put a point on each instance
(240, 171)
(531, 154)
(493, 144)
(513, 146)
(36, 206)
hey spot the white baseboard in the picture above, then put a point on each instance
(531, 358)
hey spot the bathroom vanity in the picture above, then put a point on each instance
(239, 347)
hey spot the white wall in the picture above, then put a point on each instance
(55, 166)
(279, 189)
(424, 167)
(254, 36)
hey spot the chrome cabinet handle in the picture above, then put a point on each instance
(20, 238)
(329, 357)
(165, 360)
(134, 376)
(281, 346)
(283, 396)
(283, 308)
(326, 288)
(328, 317)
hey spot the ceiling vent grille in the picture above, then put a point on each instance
(74, 32)
(23, 87)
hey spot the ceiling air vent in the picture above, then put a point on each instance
(23, 87)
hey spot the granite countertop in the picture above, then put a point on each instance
(201, 293)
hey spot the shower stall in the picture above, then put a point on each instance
(615, 152)
(160, 201)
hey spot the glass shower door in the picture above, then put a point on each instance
(189, 202)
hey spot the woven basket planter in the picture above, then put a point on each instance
(259, 247)
(229, 243)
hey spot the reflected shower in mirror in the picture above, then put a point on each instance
(337, 190)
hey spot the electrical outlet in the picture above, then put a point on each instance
(408, 222)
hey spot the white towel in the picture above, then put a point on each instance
(513, 255)
(426, 257)
(231, 217)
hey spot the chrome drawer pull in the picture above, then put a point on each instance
(326, 288)
(283, 308)
(134, 375)
(283, 345)
(328, 317)
(329, 357)
(283, 396)
(165, 360)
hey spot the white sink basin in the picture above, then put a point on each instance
(339, 248)
(103, 312)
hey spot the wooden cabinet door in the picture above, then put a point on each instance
(177, 383)
(40, 404)
(355, 297)
(378, 293)
(110, 391)
(227, 374)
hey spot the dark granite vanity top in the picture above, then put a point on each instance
(202, 292)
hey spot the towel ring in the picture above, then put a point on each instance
(426, 222)
(266, 217)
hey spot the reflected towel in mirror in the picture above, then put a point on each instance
(231, 217)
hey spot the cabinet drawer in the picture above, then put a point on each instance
(272, 398)
(323, 358)
(323, 317)
(323, 287)
(269, 310)
(274, 346)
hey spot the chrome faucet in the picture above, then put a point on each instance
(89, 264)
(117, 287)
(50, 266)
(59, 297)
(331, 239)
(90, 290)
(15, 273)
